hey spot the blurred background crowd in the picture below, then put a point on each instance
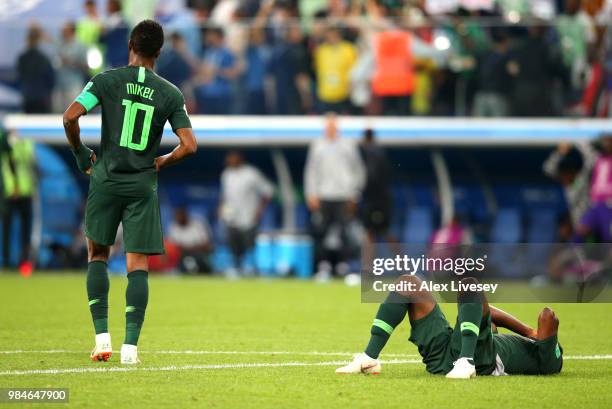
(489, 58)
(256, 206)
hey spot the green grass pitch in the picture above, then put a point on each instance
(262, 344)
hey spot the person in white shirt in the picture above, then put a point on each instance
(192, 236)
(245, 193)
(333, 180)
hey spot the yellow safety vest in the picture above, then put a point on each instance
(23, 157)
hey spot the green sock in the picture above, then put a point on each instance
(470, 316)
(136, 299)
(97, 294)
(389, 315)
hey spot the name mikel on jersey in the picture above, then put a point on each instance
(140, 90)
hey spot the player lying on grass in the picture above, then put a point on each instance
(471, 347)
(136, 103)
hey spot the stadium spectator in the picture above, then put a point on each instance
(36, 75)
(494, 79)
(597, 220)
(393, 80)
(334, 177)
(536, 68)
(396, 55)
(334, 59)
(572, 168)
(257, 56)
(176, 63)
(245, 193)
(114, 36)
(213, 90)
(19, 187)
(89, 26)
(188, 23)
(193, 238)
(72, 68)
(577, 38)
(376, 204)
(289, 71)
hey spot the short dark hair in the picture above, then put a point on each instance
(147, 38)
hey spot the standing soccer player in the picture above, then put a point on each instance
(136, 103)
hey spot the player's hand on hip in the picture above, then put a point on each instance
(89, 171)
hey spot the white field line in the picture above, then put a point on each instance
(56, 371)
(185, 367)
(204, 352)
(302, 353)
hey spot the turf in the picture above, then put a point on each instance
(49, 312)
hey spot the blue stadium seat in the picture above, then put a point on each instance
(418, 225)
(269, 219)
(60, 202)
(423, 196)
(302, 217)
(470, 201)
(541, 226)
(507, 226)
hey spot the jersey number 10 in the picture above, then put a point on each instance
(129, 118)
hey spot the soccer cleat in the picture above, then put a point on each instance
(463, 368)
(103, 349)
(129, 354)
(361, 364)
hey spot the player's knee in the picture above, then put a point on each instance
(97, 252)
(407, 278)
(466, 295)
(413, 292)
(136, 261)
(469, 281)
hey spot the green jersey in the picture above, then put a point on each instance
(136, 103)
(496, 354)
(524, 356)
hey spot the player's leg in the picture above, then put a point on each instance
(98, 286)
(136, 300)
(102, 218)
(417, 304)
(142, 233)
(472, 307)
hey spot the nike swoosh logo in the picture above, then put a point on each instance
(365, 368)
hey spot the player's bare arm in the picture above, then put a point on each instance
(187, 146)
(504, 320)
(84, 156)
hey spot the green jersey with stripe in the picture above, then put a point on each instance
(135, 103)
(524, 356)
